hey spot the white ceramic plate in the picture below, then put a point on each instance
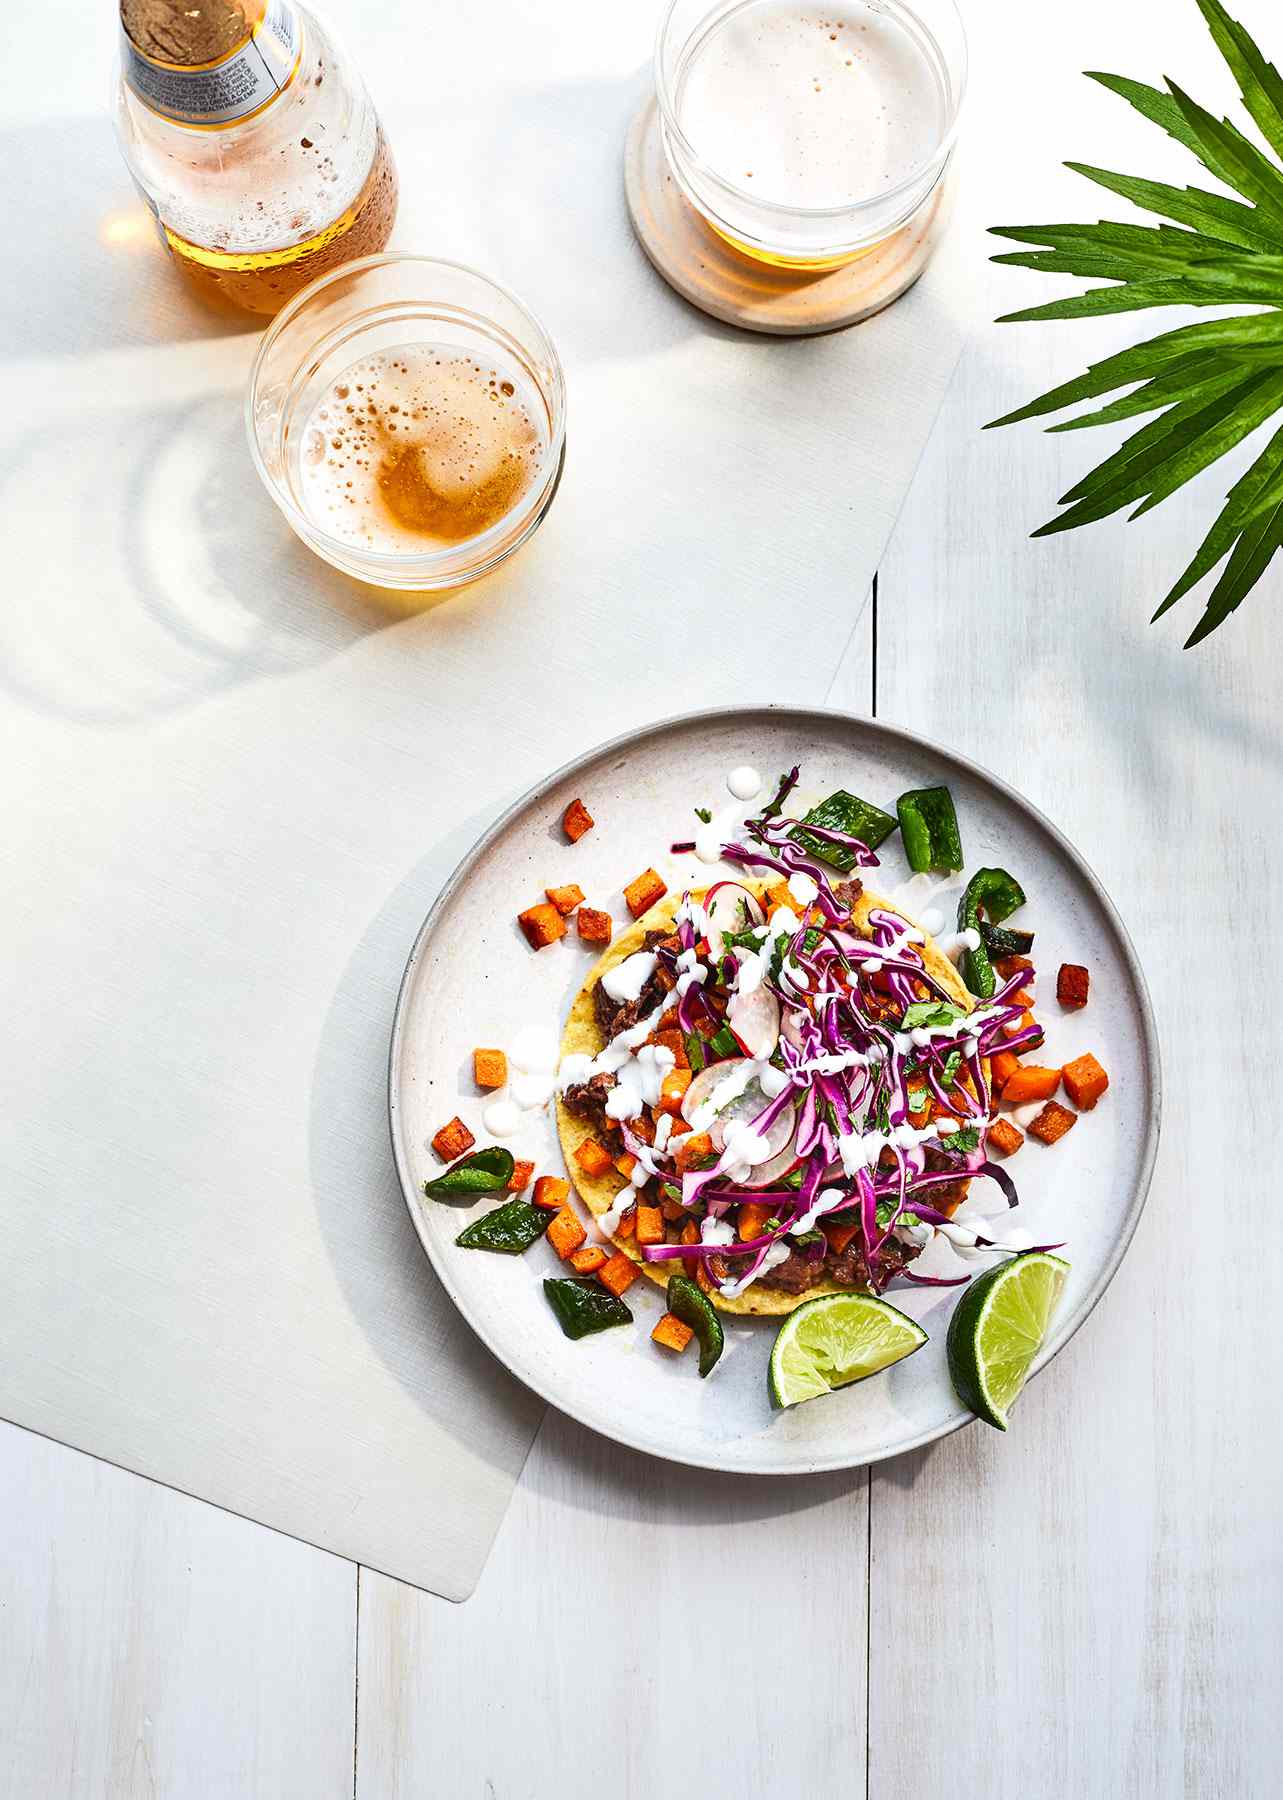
(472, 980)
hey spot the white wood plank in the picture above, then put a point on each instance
(852, 685)
(618, 1587)
(1094, 1600)
(153, 1646)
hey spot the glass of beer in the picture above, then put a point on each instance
(408, 417)
(806, 135)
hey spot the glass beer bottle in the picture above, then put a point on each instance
(251, 137)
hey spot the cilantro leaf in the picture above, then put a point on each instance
(925, 1013)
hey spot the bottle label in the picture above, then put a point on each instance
(215, 95)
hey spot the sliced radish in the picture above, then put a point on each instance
(765, 1174)
(779, 1134)
(755, 1020)
(747, 1105)
(725, 905)
(791, 1028)
(703, 1084)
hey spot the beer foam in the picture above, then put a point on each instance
(812, 107)
(419, 448)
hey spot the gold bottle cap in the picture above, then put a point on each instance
(184, 35)
(216, 64)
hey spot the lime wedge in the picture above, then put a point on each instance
(839, 1338)
(998, 1329)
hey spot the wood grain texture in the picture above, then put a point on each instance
(155, 1648)
(618, 1587)
(1100, 1592)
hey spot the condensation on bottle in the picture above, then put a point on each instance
(251, 137)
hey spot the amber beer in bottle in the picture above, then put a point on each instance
(251, 137)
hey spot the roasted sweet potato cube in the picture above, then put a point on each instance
(689, 1234)
(453, 1140)
(672, 1334)
(704, 1279)
(1052, 1123)
(576, 820)
(777, 895)
(627, 1226)
(675, 1041)
(626, 1162)
(673, 1090)
(1007, 966)
(1026, 1022)
(594, 927)
(551, 1191)
(752, 1217)
(542, 924)
(522, 1175)
(565, 1233)
(1022, 997)
(489, 1068)
(593, 1158)
(691, 1150)
(1072, 985)
(1003, 1136)
(650, 1224)
(641, 895)
(589, 1261)
(1085, 1081)
(565, 899)
(1002, 1066)
(618, 1273)
(839, 1236)
(1030, 1082)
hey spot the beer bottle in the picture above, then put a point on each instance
(251, 137)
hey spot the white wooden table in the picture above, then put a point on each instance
(1091, 1605)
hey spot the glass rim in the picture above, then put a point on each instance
(940, 155)
(528, 511)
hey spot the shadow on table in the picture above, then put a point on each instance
(87, 269)
(388, 1283)
(148, 569)
(577, 1467)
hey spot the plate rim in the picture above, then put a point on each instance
(720, 715)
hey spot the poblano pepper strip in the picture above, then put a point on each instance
(724, 1043)
(929, 829)
(843, 812)
(688, 1302)
(583, 1307)
(999, 894)
(508, 1229)
(484, 1172)
(1003, 940)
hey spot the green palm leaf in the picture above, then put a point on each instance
(1209, 385)
(1236, 337)
(1190, 377)
(1258, 81)
(1252, 556)
(1205, 211)
(1184, 441)
(1252, 494)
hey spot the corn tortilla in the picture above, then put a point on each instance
(582, 1035)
